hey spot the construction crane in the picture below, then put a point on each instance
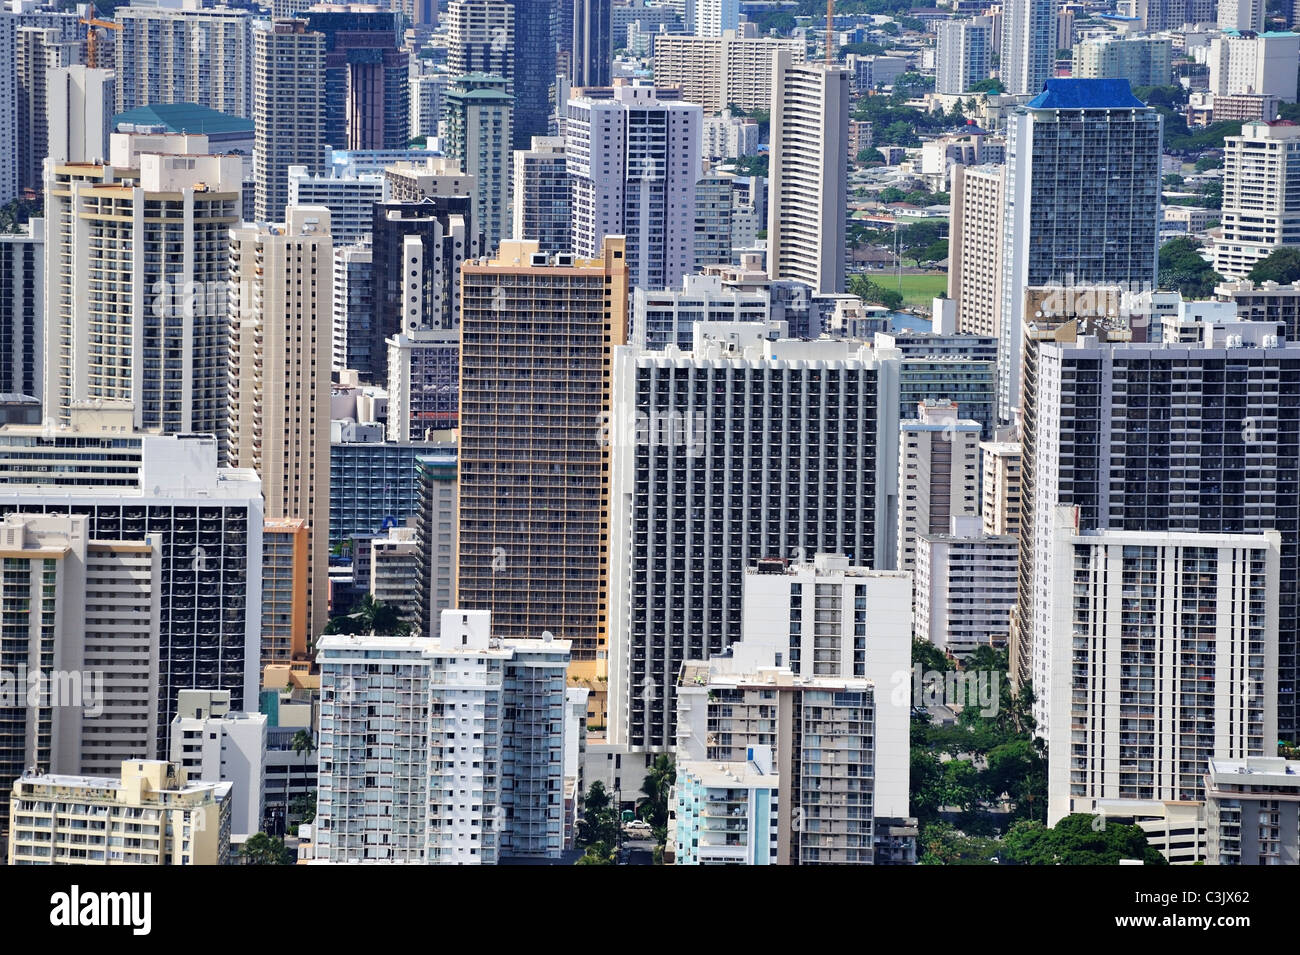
(90, 22)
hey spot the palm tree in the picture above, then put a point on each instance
(302, 743)
(653, 807)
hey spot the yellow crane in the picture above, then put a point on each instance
(91, 22)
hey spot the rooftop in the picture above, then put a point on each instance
(185, 118)
(1071, 93)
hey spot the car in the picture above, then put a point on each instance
(637, 825)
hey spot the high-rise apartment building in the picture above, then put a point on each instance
(938, 474)
(533, 535)
(542, 195)
(592, 56)
(1265, 302)
(660, 319)
(435, 531)
(474, 768)
(427, 92)
(727, 813)
(830, 618)
(81, 618)
(1261, 196)
(132, 486)
(1065, 225)
(136, 270)
(1153, 670)
(213, 743)
(1110, 440)
(715, 17)
(536, 28)
(149, 814)
(1028, 45)
(22, 311)
(479, 116)
(822, 734)
(481, 39)
(809, 173)
(1251, 811)
(38, 50)
(393, 571)
(1142, 60)
(1000, 487)
(975, 238)
(729, 454)
(962, 54)
(1241, 15)
(288, 110)
(280, 303)
(349, 198)
(354, 306)
(285, 623)
(730, 69)
(366, 70)
(633, 162)
(965, 587)
(189, 53)
(1255, 63)
(79, 109)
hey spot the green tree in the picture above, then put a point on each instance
(1182, 268)
(653, 805)
(751, 165)
(302, 743)
(598, 853)
(369, 616)
(942, 844)
(261, 849)
(987, 86)
(1209, 162)
(1282, 265)
(1078, 839)
(303, 808)
(599, 822)
(16, 213)
(874, 294)
(871, 155)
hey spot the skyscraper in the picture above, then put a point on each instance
(716, 17)
(79, 109)
(22, 311)
(809, 173)
(633, 161)
(39, 49)
(281, 292)
(1261, 196)
(718, 72)
(1241, 15)
(288, 110)
(536, 338)
(479, 116)
(743, 449)
(542, 195)
(366, 99)
(938, 474)
(1082, 201)
(536, 27)
(132, 486)
(1028, 45)
(137, 310)
(962, 54)
(1143, 697)
(1168, 439)
(184, 54)
(593, 50)
(417, 251)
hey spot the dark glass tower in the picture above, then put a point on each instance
(593, 48)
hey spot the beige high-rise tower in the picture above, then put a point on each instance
(281, 292)
(809, 164)
(975, 265)
(537, 333)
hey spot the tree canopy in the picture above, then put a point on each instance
(1078, 839)
(1282, 266)
(1183, 269)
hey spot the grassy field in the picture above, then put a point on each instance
(916, 289)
